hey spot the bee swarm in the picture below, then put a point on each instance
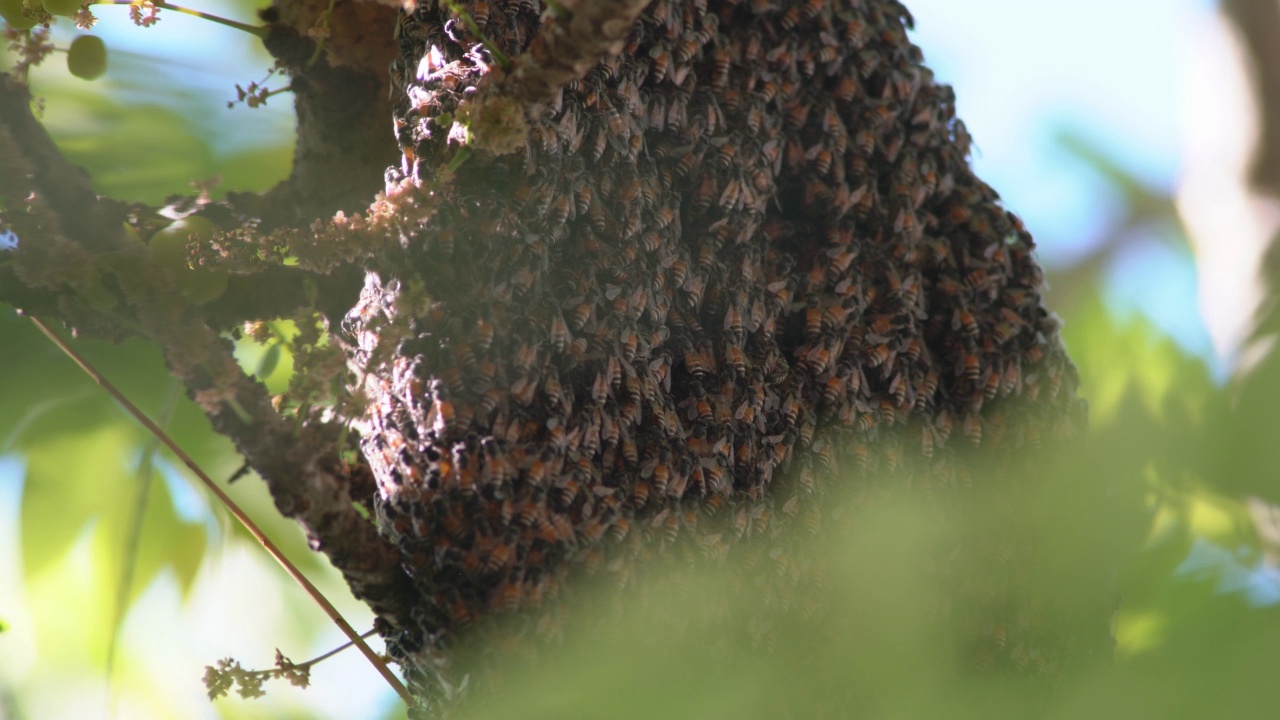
(742, 254)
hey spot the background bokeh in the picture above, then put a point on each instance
(1118, 131)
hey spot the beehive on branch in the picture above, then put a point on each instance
(673, 291)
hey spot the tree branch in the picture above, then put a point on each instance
(69, 240)
(68, 190)
(572, 40)
(1259, 26)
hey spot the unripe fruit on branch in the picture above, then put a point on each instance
(169, 249)
(87, 57)
(11, 11)
(66, 8)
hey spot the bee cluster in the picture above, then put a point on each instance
(744, 253)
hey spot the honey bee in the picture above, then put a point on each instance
(928, 441)
(797, 115)
(483, 335)
(963, 319)
(847, 88)
(600, 389)
(733, 195)
(1056, 375)
(560, 337)
(660, 57)
(618, 530)
(489, 401)
(498, 558)
(929, 385)
(701, 405)
(461, 614)
(900, 387)
(819, 358)
(444, 242)
(733, 320)
(695, 286)
(969, 367)
(609, 429)
(453, 380)
(594, 530)
(670, 526)
(720, 75)
(580, 315)
(629, 451)
(629, 413)
(735, 358)
(791, 410)
(821, 157)
(1011, 378)
(991, 383)
(905, 222)
(973, 428)
(660, 474)
(639, 496)
(861, 455)
(880, 355)
(561, 210)
(685, 51)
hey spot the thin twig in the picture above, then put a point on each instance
(260, 31)
(332, 652)
(234, 509)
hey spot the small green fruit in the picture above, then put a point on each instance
(11, 11)
(66, 8)
(169, 249)
(87, 57)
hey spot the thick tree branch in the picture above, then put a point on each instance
(70, 239)
(569, 44)
(66, 188)
(307, 479)
(1259, 26)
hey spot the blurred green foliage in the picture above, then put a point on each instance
(1110, 521)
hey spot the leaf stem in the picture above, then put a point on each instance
(234, 509)
(260, 31)
(332, 652)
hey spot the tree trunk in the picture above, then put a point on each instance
(633, 282)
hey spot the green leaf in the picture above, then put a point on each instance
(1118, 360)
(256, 170)
(270, 359)
(137, 152)
(70, 480)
